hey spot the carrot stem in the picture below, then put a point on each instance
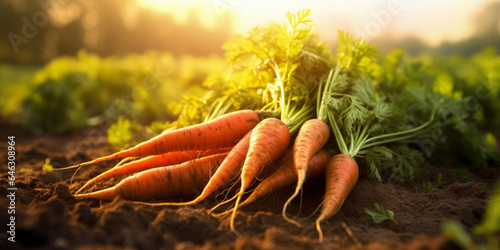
(403, 133)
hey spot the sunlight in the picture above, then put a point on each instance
(159, 4)
(181, 10)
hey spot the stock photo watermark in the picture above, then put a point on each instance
(11, 188)
(222, 7)
(380, 19)
(30, 26)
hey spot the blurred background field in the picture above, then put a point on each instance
(66, 64)
(134, 68)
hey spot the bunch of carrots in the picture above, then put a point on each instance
(207, 156)
(248, 144)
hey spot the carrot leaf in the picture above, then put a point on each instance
(121, 133)
(47, 167)
(381, 214)
(355, 55)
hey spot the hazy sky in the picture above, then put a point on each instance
(433, 21)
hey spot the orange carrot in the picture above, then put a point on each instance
(341, 175)
(312, 137)
(268, 141)
(153, 161)
(229, 168)
(224, 131)
(163, 183)
(275, 165)
(286, 175)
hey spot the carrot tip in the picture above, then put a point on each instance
(78, 191)
(318, 227)
(66, 168)
(283, 213)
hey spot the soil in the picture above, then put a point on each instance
(48, 217)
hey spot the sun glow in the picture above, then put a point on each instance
(182, 9)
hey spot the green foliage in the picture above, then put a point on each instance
(47, 167)
(276, 67)
(14, 83)
(25, 170)
(491, 141)
(491, 219)
(381, 214)
(396, 111)
(157, 127)
(72, 92)
(429, 186)
(373, 125)
(356, 56)
(455, 86)
(398, 160)
(463, 174)
(485, 234)
(456, 231)
(121, 133)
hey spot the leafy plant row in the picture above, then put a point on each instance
(286, 101)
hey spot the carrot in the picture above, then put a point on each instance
(275, 165)
(227, 170)
(224, 131)
(341, 175)
(153, 161)
(312, 137)
(286, 175)
(264, 174)
(163, 183)
(268, 141)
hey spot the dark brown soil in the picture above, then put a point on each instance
(48, 217)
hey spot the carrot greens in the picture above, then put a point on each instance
(381, 214)
(366, 123)
(288, 60)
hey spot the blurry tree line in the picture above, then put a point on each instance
(36, 32)
(486, 33)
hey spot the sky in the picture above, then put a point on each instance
(432, 21)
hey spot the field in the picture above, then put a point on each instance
(420, 131)
(48, 217)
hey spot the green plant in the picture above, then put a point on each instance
(485, 234)
(428, 186)
(381, 214)
(47, 167)
(121, 133)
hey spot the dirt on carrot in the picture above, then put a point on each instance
(48, 217)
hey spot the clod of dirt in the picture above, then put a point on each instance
(187, 224)
(278, 238)
(246, 243)
(24, 195)
(49, 177)
(56, 206)
(83, 214)
(63, 191)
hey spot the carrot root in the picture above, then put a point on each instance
(286, 176)
(164, 182)
(224, 131)
(312, 137)
(268, 141)
(150, 162)
(341, 175)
